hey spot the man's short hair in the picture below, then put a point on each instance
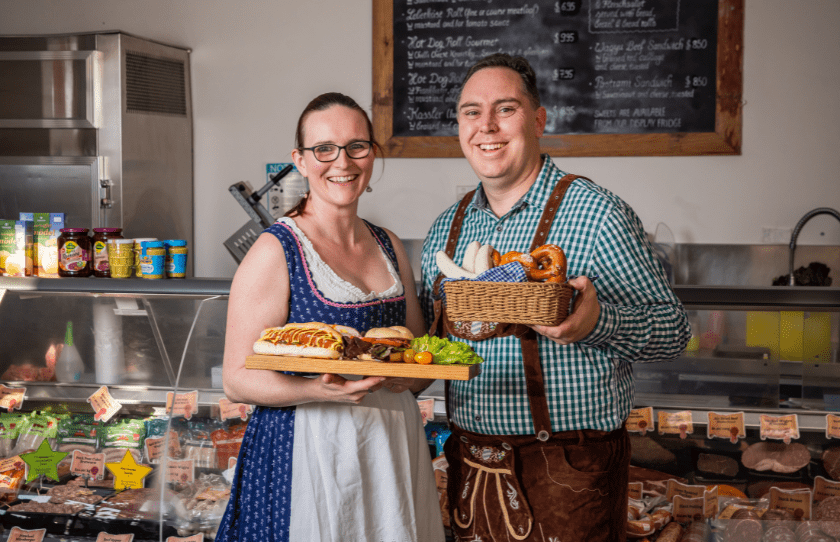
(515, 63)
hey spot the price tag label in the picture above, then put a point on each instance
(798, 502)
(640, 420)
(180, 472)
(88, 465)
(11, 398)
(726, 426)
(23, 535)
(636, 489)
(824, 488)
(103, 404)
(106, 537)
(676, 423)
(199, 537)
(785, 428)
(154, 447)
(696, 508)
(427, 410)
(11, 463)
(185, 404)
(230, 411)
(43, 461)
(128, 474)
(832, 426)
(683, 490)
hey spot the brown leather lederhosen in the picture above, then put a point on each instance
(574, 476)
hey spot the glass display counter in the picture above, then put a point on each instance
(145, 345)
(756, 352)
(750, 412)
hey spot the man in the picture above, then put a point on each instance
(539, 450)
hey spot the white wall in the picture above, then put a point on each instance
(256, 63)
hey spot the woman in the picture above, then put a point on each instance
(327, 458)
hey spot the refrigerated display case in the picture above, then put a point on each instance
(760, 351)
(148, 344)
(750, 408)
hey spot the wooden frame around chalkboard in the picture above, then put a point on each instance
(726, 139)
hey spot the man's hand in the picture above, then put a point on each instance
(583, 318)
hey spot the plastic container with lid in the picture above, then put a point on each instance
(138, 253)
(101, 261)
(176, 258)
(74, 253)
(153, 260)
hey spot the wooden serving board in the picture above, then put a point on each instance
(363, 368)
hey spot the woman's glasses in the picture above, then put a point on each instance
(329, 152)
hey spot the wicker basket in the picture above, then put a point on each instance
(540, 303)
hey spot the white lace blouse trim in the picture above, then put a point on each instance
(331, 285)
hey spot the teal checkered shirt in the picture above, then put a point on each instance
(589, 384)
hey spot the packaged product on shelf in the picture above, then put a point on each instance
(204, 503)
(16, 247)
(47, 228)
(34, 428)
(124, 435)
(78, 432)
(227, 442)
(9, 430)
(11, 482)
(156, 433)
(7, 242)
(198, 444)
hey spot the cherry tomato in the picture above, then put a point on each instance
(423, 358)
(408, 355)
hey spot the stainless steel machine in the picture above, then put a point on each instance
(98, 126)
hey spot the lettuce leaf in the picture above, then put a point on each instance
(446, 352)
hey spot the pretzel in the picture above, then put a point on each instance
(545, 264)
(551, 264)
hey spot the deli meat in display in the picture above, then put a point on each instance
(831, 462)
(827, 513)
(717, 464)
(776, 457)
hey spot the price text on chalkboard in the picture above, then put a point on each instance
(617, 77)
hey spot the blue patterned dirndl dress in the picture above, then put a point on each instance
(260, 496)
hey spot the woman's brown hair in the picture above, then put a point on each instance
(322, 103)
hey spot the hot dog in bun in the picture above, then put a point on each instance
(311, 340)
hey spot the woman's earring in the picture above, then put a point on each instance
(368, 189)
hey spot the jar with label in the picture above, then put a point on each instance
(74, 253)
(153, 259)
(176, 258)
(101, 262)
(138, 253)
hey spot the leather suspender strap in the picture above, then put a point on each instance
(530, 345)
(451, 245)
(551, 207)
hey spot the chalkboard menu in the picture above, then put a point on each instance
(617, 77)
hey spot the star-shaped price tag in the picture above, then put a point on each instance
(43, 461)
(128, 474)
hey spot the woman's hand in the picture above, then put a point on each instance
(583, 318)
(398, 384)
(337, 389)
